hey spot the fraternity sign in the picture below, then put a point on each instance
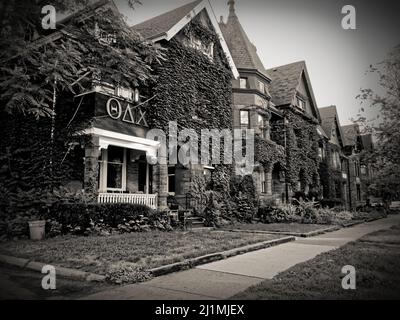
(124, 111)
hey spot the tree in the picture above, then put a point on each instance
(384, 101)
(41, 71)
(35, 63)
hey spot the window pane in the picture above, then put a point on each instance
(114, 175)
(244, 117)
(261, 86)
(171, 183)
(243, 83)
(171, 170)
(115, 154)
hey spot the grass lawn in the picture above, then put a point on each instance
(98, 254)
(279, 227)
(376, 258)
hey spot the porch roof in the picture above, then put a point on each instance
(107, 138)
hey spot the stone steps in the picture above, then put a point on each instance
(194, 222)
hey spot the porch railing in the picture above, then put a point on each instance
(145, 199)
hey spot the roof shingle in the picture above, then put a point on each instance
(161, 24)
(285, 80)
(243, 52)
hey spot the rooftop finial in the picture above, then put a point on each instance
(231, 4)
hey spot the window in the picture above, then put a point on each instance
(112, 166)
(104, 37)
(261, 86)
(338, 190)
(243, 83)
(321, 152)
(336, 160)
(358, 192)
(363, 170)
(207, 49)
(263, 182)
(171, 179)
(357, 169)
(244, 118)
(130, 94)
(301, 104)
(264, 126)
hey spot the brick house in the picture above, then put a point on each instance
(125, 143)
(253, 108)
(298, 146)
(360, 172)
(336, 167)
(293, 95)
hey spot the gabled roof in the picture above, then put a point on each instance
(244, 53)
(350, 134)
(330, 119)
(285, 81)
(161, 24)
(167, 25)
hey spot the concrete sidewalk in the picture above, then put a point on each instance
(222, 279)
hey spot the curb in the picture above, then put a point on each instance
(190, 263)
(295, 234)
(64, 272)
(353, 223)
(374, 219)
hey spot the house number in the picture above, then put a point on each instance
(126, 113)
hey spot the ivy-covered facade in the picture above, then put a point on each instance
(210, 77)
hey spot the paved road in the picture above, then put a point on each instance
(223, 279)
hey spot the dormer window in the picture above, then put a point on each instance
(300, 103)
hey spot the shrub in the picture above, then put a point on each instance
(82, 218)
(286, 213)
(264, 212)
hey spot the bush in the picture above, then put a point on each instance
(82, 218)
(264, 212)
(285, 214)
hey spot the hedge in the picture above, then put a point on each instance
(88, 218)
(81, 217)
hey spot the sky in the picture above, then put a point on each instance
(285, 31)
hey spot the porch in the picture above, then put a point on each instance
(149, 200)
(119, 171)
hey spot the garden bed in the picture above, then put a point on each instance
(134, 253)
